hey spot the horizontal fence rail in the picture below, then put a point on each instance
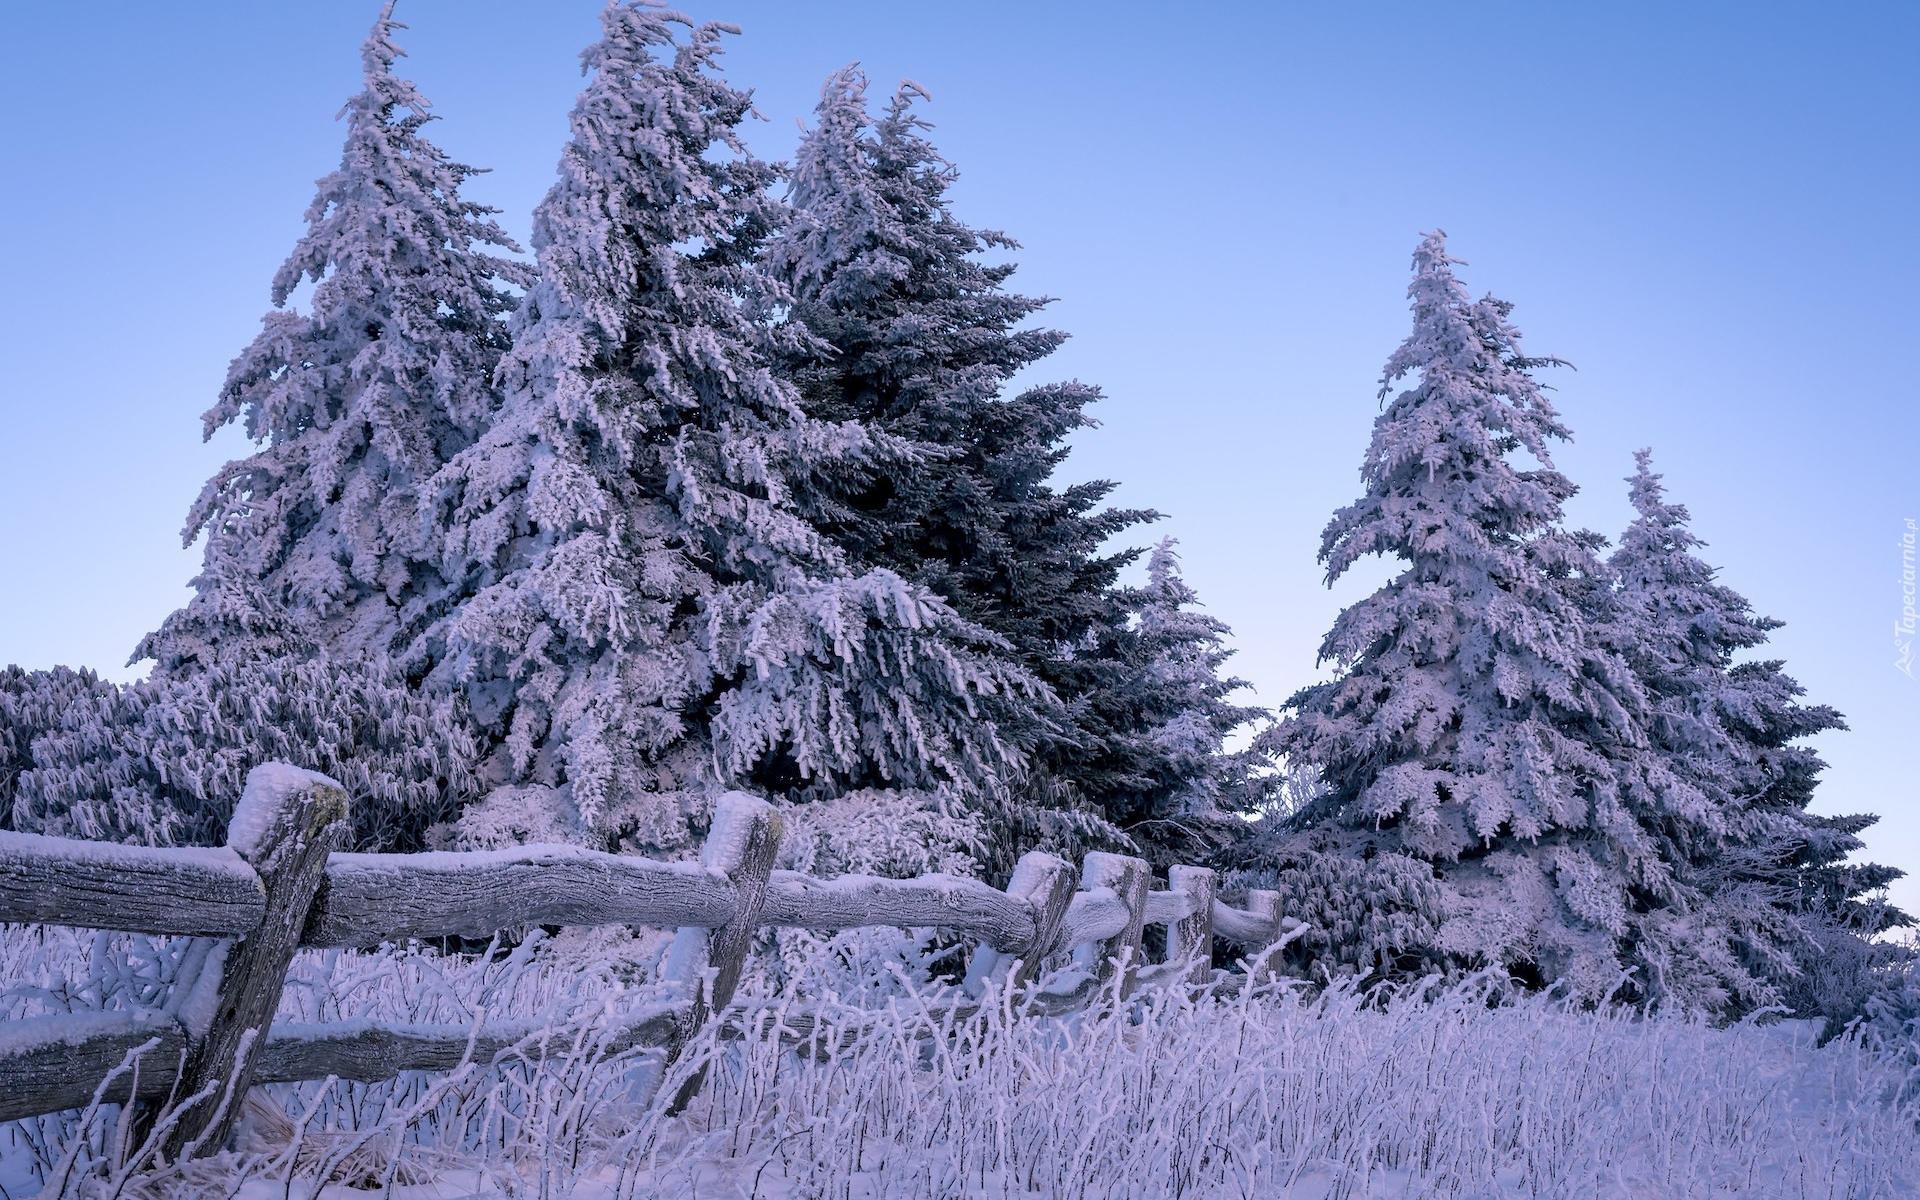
(48, 1064)
(138, 889)
(278, 885)
(366, 899)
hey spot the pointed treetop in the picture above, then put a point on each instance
(1668, 583)
(858, 188)
(1474, 402)
(377, 54)
(1660, 525)
(631, 167)
(838, 212)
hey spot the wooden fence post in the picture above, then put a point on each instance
(1046, 883)
(741, 844)
(287, 822)
(1128, 877)
(1049, 887)
(1191, 937)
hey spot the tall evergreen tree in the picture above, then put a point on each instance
(315, 563)
(1468, 746)
(315, 542)
(1770, 875)
(920, 339)
(648, 616)
(1171, 720)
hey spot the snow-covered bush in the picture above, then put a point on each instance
(163, 761)
(1854, 982)
(892, 834)
(35, 703)
(1890, 1015)
(1367, 916)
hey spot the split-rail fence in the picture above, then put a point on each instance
(278, 885)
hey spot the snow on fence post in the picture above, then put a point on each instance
(1045, 883)
(287, 822)
(741, 845)
(1128, 877)
(1191, 937)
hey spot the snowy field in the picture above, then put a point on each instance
(1271, 1094)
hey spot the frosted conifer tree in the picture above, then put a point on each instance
(1171, 719)
(314, 543)
(921, 338)
(648, 616)
(314, 563)
(1774, 894)
(1467, 746)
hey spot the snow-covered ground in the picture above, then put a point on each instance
(1272, 1094)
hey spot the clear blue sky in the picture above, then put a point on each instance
(1706, 208)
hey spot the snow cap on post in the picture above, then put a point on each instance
(270, 786)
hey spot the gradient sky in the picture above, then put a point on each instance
(1707, 209)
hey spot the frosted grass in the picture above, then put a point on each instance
(1276, 1093)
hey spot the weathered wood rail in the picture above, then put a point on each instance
(278, 885)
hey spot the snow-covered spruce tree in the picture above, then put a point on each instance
(1469, 746)
(314, 543)
(647, 616)
(920, 339)
(1170, 719)
(314, 564)
(1770, 876)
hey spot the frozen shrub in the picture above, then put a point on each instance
(163, 761)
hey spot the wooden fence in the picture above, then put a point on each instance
(278, 885)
